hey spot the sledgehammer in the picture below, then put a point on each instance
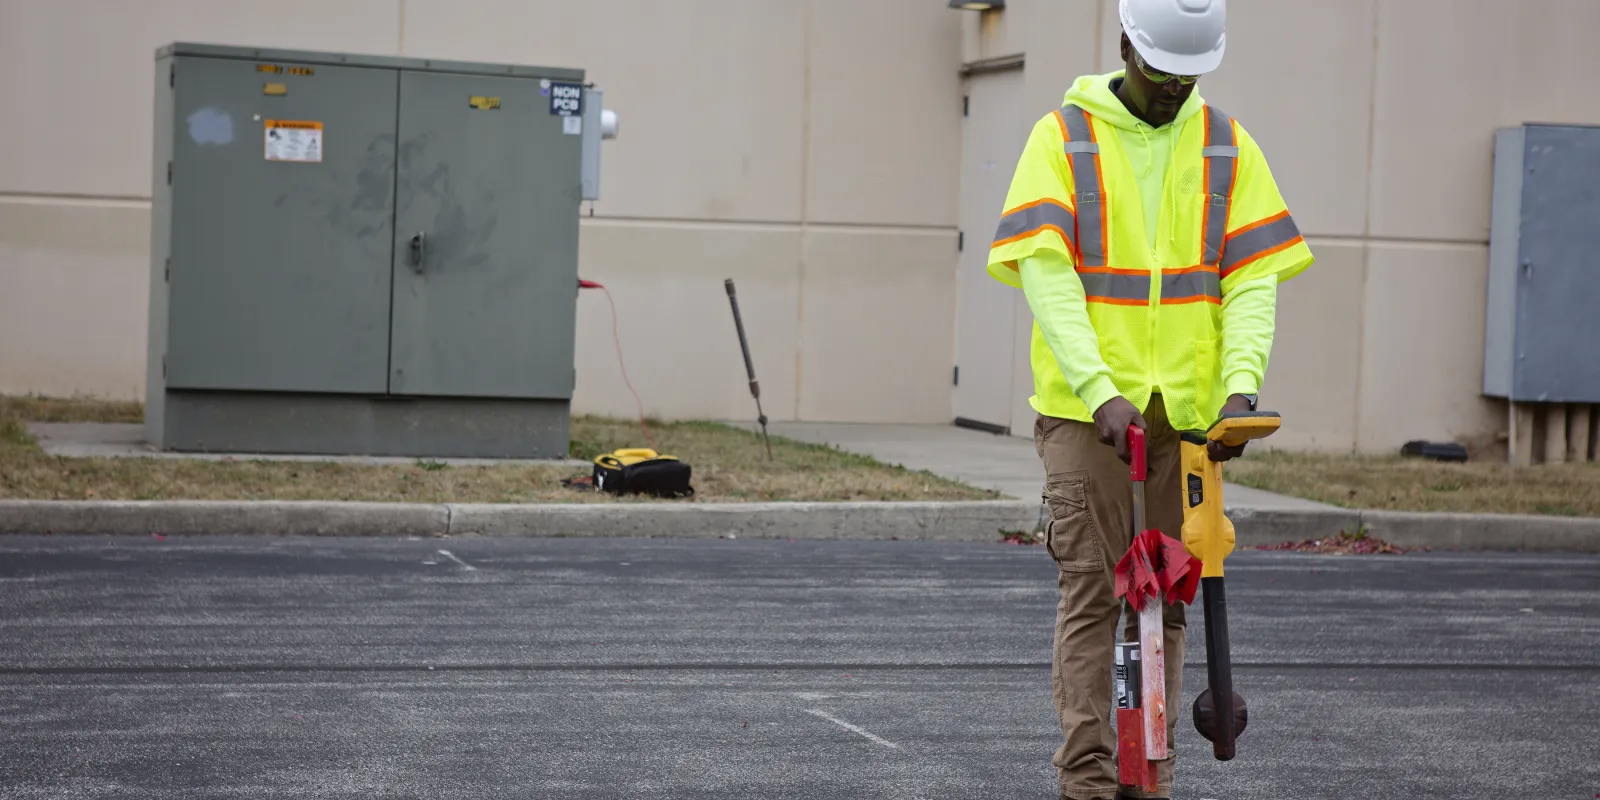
(1142, 710)
(749, 367)
(1220, 713)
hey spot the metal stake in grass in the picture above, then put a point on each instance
(749, 366)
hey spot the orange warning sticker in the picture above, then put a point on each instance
(293, 140)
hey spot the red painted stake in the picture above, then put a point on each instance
(1131, 763)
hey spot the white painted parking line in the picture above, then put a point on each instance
(853, 729)
(452, 557)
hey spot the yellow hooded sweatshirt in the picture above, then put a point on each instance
(1056, 295)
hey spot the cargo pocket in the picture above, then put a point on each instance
(1071, 536)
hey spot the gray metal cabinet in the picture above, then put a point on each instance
(363, 255)
(1544, 275)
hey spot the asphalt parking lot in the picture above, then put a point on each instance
(579, 668)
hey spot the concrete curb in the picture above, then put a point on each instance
(974, 521)
(1485, 531)
(1434, 531)
(1259, 526)
(967, 521)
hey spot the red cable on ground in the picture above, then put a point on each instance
(617, 337)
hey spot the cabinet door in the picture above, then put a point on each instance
(486, 237)
(282, 214)
(1558, 279)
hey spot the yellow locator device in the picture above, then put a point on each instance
(1207, 534)
(1220, 713)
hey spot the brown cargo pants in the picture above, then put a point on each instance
(1090, 499)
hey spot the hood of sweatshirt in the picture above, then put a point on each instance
(1093, 94)
(1149, 150)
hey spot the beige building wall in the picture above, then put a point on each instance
(802, 149)
(1378, 119)
(808, 150)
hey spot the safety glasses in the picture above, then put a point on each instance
(1158, 77)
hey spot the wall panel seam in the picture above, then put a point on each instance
(143, 201)
(1366, 224)
(68, 198)
(805, 210)
(764, 225)
(1337, 238)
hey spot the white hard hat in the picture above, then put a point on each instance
(1183, 37)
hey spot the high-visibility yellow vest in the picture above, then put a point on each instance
(1157, 314)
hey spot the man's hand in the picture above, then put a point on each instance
(1112, 420)
(1216, 450)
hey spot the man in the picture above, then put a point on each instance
(1148, 235)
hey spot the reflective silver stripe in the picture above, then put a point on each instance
(1221, 128)
(1086, 180)
(1252, 243)
(1033, 219)
(1104, 285)
(1189, 285)
(1081, 147)
(1220, 153)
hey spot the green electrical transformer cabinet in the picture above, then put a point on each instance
(365, 255)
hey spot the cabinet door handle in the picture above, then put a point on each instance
(418, 243)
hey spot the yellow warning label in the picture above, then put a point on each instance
(275, 89)
(283, 123)
(484, 103)
(279, 69)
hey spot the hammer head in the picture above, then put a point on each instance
(1209, 723)
(1133, 768)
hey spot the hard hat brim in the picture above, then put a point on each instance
(1181, 63)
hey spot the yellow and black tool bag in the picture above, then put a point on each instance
(642, 471)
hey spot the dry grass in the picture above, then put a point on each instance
(58, 409)
(728, 465)
(1405, 484)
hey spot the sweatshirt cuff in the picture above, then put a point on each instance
(1242, 382)
(1097, 392)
